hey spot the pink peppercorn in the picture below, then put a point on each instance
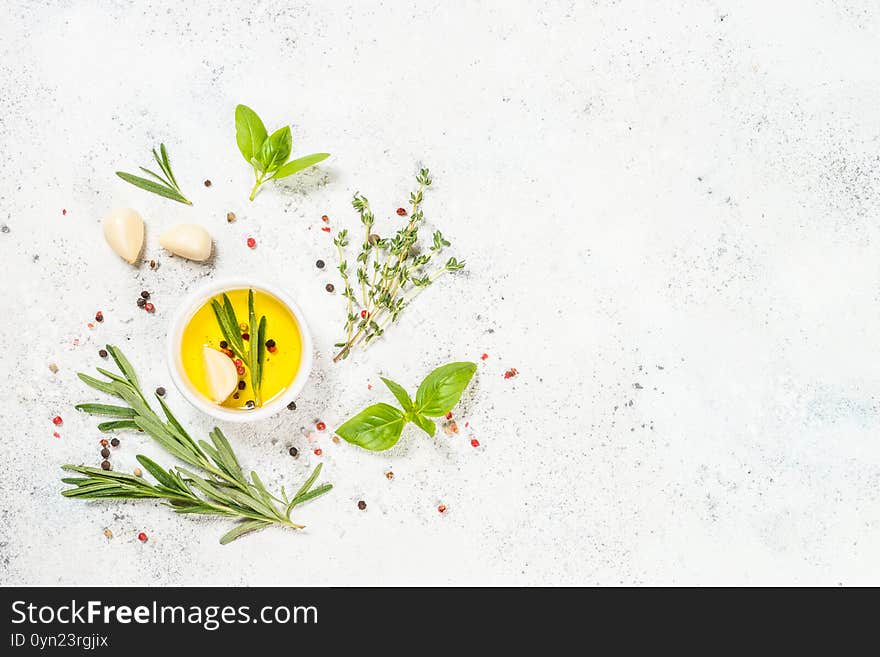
(251, 242)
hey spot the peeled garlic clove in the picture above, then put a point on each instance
(188, 241)
(124, 232)
(220, 374)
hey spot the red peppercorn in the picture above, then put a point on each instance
(318, 451)
(245, 336)
(57, 420)
(272, 350)
(484, 356)
(363, 314)
(401, 212)
(149, 307)
(99, 316)
(326, 229)
(56, 434)
(104, 442)
(142, 537)
(240, 371)
(320, 426)
(325, 218)
(64, 211)
(449, 415)
(251, 242)
(475, 442)
(442, 508)
(237, 362)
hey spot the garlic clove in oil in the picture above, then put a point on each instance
(188, 241)
(220, 374)
(124, 232)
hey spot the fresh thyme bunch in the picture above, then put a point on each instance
(221, 489)
(390, 272)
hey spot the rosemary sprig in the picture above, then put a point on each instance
(254, 356)
(389, 274)
(167, 185)
(221, 489)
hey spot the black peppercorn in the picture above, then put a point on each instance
(105, 465)
(241, 385)
(319, 264)
(160, 391)
(102, 353)
(115, 442)
(141, 302)
(145, 295)
(293, 451)
(235, 396)
(207, 183)
(224, 344)
(249, 403)
(362, 505)
(291, 406)
(105, 452)
(270, 343)
(329, 287)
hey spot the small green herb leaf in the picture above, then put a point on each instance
(297, 165)
(250, 133)
(376, 428)
(242, 528)
(276, 149)
(424, 424)
(398, 391)
(442, 388)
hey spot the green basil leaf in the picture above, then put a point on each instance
(424, 424)
(375, 428)
(250, 133)
(398, 391)
(442, 388)
(276, 149)
(297, 165)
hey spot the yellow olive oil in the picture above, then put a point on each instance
(282, 361)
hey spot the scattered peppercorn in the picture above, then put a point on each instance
(114, 442)
(441, 508)
(270, 343)
(291, 406)
(99, 316)
(145, 295)
(389, 475)
(240, 371)
(105, 452)
(57, 421)
(160, 391)
(105, 465)
(320, 426)
(484, 356)
(509, 374)
(141, 302)
(363, 314)
(374, 239)
(251, 242)
(249, 403)
(142, 537)
(56, 434)
(245, 336)
(241, 385)
(475, 442)
(325, 218)
(138, 472)
(293, 451)
(102, 353)
(335, 440)
(362, 505)
(235, 396)
(207, 183)
(318, 451)
(326, 229)
(224, 344)
(272, 350)
(242, 326)
(319, 264)
(230, 217)
(329, 287)
(4, 228)
(153, 264)
(401, 212)
(104, 442)
(449, 415)
(149, 307)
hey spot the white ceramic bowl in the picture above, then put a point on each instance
(188, 307)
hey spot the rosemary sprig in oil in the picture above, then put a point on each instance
(254, 355)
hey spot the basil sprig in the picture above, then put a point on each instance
(378, 427)
(268, 153)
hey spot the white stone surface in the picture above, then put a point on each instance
(670, 214)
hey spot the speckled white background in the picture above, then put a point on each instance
(670, 214)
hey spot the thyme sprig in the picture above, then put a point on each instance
(253, 357)
(167, 185)
(389, 274)
(221, 489)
